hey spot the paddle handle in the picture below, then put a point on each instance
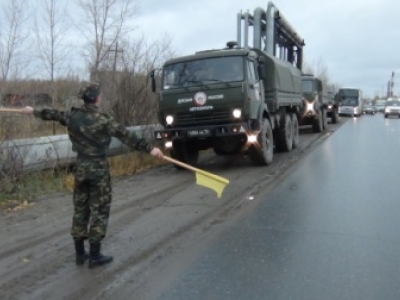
(179, 163)
(9, 109)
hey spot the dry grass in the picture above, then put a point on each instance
(29, 186)
(123, 165)
(13, 126)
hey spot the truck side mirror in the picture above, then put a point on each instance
(262, 70)
(153, 80)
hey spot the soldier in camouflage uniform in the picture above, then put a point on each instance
(90, 133)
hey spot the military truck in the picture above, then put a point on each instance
(318, 104)
(238, 99)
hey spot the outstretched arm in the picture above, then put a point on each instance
(47, 114)
(131, 139)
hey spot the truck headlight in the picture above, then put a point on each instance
(169, 119)
(237, 113)
(252, 138)
(310, 106)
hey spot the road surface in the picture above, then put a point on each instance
(329, 230)
(161, 221)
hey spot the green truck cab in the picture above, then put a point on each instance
(318, 104)
(223, 99)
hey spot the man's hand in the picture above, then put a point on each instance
(27, 110)
(157, 153)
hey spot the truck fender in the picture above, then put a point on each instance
(263, 113)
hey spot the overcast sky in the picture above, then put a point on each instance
(358, 41)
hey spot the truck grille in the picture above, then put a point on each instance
(202, 118)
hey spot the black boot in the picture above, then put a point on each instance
(96, 258)
(81, 255)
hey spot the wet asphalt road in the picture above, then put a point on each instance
(329, 230)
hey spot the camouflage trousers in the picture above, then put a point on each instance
(92, 200)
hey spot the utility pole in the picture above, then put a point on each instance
(392, 85)
(116, 51)
(114, 75)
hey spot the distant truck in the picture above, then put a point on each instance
(236, 100)
(318, 104)
(380, 105)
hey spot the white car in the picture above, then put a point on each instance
(392, 108)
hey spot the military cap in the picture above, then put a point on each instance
(90, 92)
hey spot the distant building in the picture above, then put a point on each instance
(26, 99)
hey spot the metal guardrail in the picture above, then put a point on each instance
(34, 154)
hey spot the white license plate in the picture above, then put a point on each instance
(199, 132)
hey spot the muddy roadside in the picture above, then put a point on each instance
(155, 215)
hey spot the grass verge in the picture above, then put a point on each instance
(28, 187)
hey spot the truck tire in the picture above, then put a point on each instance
(185, 152)
(218, 151)
(284, 141)
(318, 125)
(325, 119)
(295, 127)
(262, 152)
(335, 116)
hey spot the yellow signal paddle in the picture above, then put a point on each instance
(203, 178)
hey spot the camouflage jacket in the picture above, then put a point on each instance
(90, 131)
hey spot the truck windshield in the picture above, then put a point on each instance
(307, 86)
(203, 71)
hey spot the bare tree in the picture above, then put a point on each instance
(104, 23)
(13, 18)
(134, 103)
(318, 68)
(50, 28)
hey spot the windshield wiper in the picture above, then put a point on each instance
(192, 81)
(200, 83)
(217, 80)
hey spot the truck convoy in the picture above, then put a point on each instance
(318, 104)
(235, 100)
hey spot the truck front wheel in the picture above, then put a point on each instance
(262, 152)
(318, 123)
(185, 152)
(324, 119)
(335, 116)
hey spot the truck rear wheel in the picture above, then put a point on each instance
(285, 135)
(262, 153)
(295, 127)
(185, 152)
